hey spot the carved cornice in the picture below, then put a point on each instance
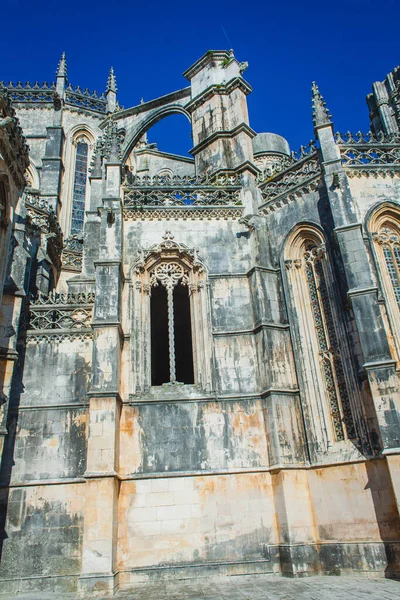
(219, 89)
(223, 134)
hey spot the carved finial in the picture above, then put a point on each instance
(112, 143)
(95, 170)
(111, 82)
(62, 67)
(168, 235)
(321, 115)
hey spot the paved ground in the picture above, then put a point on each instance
(252, 587)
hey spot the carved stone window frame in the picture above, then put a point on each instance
(330, 410)
(164, 260)
(387, 217)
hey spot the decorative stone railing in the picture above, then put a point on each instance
(366, 154)
(85, 99)
(57, 317)
(28, 92)
(46, 93)
(190, 197)
(300, 178)
(186, 181)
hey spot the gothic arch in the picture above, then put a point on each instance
(383, 226)
(326, 377)
(75, 135)
(148, 121)
(32, 176)
(165, 264)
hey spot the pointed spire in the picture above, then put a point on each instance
(111, 82)
(321, 115)
(62, 67)
(111, 92)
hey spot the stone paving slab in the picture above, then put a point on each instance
(250, 587)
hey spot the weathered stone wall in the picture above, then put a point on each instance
(270, 461)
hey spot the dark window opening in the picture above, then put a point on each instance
(183, 335)
(160, 368)
(159, 336)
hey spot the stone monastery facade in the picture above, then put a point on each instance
(199, 357)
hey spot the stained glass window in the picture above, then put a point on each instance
(78, 199)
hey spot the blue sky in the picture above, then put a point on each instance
(344, 46)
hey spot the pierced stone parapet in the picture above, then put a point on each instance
(186, 181)
(299, 179)
(72, 253)
(59, 316)
(85, 99)
(174, 213)
(34, 93)
(165, 191)
(366, 153)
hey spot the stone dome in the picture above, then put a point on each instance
(270, 143)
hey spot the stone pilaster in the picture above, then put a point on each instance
(362, 290)
(100, 529)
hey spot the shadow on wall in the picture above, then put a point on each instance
(387, 514)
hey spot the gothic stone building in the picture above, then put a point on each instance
(199, 356)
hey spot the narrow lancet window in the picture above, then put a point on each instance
(79, 193)
(171, 336)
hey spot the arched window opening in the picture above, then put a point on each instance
(385, 226)
(79, 190)
(171, 350)
(321, 351)
(329, 350)
(171, 318)
(159, 336)
(391, 251)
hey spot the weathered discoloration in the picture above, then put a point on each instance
(280, 452)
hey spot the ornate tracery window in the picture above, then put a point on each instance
(171, 315)
(329, 351)
(385, 226)
(320, 347)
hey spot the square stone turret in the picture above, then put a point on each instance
(220, 122)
